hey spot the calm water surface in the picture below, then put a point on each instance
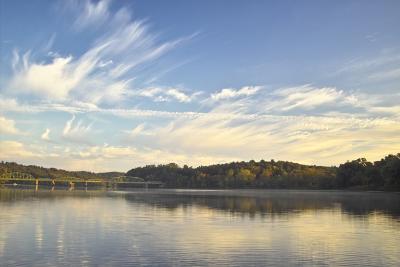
(198, 228)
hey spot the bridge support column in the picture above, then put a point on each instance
(53, 184)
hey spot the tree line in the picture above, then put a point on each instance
(384, 173)
(357, 174)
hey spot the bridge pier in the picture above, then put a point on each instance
(71, 186)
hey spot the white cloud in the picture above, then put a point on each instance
(103, 74)
(7, 126)
(150, 92)
(179, 95)
(46, 135)
(53, 80)
(233, 93)
(76, 132)
(161, 94)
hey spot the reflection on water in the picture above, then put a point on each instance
(202, 228)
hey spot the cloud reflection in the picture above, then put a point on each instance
(187, 228)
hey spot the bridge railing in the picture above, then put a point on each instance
(16, 175)
(23, 178)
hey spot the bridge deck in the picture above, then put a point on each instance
(48, 181)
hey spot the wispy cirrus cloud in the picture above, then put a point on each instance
(101, 75)
(383, 67)
(293, 100)
(364, 64)
(305, 97)
(76, 131)
(385, 75)
(227, 131)
(242, 128)
(91, 13)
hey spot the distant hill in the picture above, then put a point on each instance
(252, 174)
(110, 175)
(357, 174)
(41, 172)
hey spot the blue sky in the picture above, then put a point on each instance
(109, 85)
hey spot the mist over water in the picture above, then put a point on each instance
(199, 228)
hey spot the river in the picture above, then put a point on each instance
(198, 228)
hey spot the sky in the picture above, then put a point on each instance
(110, 85)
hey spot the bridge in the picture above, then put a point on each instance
(18, 178)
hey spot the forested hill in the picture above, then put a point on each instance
(383, 174)
(263, 174)
(41, 172)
